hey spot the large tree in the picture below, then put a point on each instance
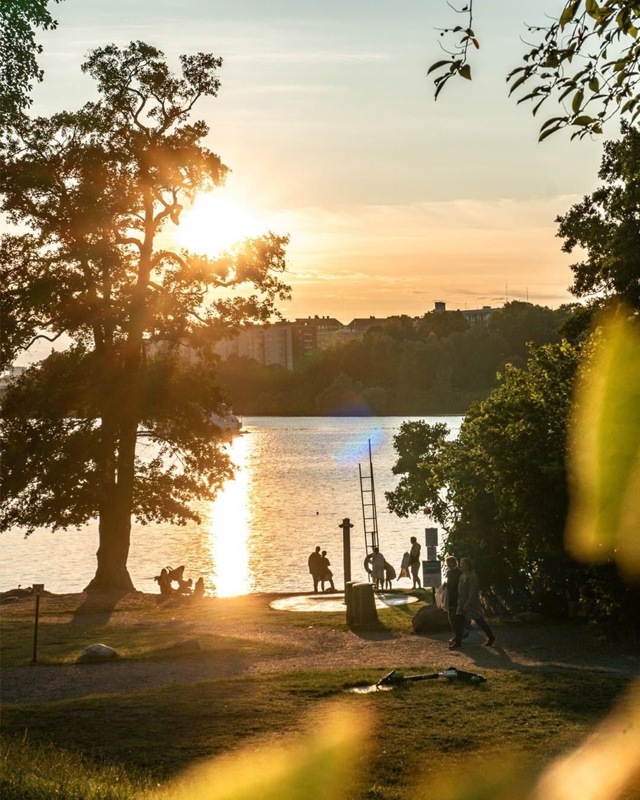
(605, 226)
(19, 20)
(119, 424)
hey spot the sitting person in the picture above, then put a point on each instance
(164, 583)
(198, 589)
(177, 575)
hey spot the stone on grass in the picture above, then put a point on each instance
(98, 652)
(430, 619)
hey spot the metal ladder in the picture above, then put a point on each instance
(369, 514)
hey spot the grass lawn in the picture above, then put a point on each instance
(119, 746)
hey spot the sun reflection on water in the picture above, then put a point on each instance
(230, 525)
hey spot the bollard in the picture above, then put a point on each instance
(38, 589)
(364, 606)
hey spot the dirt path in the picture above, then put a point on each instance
(534, 646)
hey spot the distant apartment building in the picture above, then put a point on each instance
(475, 316)
(288, 343)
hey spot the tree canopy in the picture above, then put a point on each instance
(19, 20)
(119, 423)
(586, 60)
(604, 226)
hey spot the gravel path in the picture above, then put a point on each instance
(518, 647)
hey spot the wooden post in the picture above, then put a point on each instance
(38, 588)
(346, 526)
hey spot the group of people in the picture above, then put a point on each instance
(320, 569)
(462, 601)
(382, 573)
(184, 586)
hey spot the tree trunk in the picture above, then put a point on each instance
(117, 459)
(112, 575)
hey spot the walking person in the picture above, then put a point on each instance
(414, 563)
(315, 567)
(453, 579)
(469, 606)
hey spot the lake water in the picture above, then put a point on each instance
(297, 479)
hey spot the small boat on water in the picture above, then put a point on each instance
(227, 420)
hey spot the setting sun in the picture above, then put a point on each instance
(215, 223)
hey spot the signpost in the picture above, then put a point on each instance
(431, 571)
(38, 590)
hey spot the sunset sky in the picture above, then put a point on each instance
(326, 118)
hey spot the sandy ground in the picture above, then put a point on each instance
(518, 647)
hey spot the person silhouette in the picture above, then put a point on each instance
(315, 567)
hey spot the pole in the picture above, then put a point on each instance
(34, 660)
(346, 526)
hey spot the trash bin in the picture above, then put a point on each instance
(348, 599)
(365, 614)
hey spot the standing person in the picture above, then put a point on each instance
(469, 606)
(377, 568)
(453, 579)
(414, 563)
(325, 572)
(315, 567)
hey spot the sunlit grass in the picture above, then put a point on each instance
(420, 731)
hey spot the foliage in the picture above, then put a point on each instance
(605, 451)
(18, 52)
(499, 490)
(604, 226)
(586, 59)
(97, 189)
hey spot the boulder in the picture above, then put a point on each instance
(430, 619)
(97, 653)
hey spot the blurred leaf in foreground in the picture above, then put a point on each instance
(323, 764)
(606, 765)
(604, 452)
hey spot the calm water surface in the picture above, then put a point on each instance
(297, 479)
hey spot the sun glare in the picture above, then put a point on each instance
(215, 223)
(229, 528)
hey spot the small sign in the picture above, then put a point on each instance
(431, 537)
(38, 589)
(432, 553)
(431, 574)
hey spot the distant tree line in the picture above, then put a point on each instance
(438, 365)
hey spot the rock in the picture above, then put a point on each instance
(98, 652)
(430, 619)
(186, 646)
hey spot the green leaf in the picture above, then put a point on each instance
(592, 9)
(576, 103)
(518, 83)
(548, 132)
(567, 15)
(604, 453)
(594, 84)
(465, 71)
(439, 64)
(583, 120)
